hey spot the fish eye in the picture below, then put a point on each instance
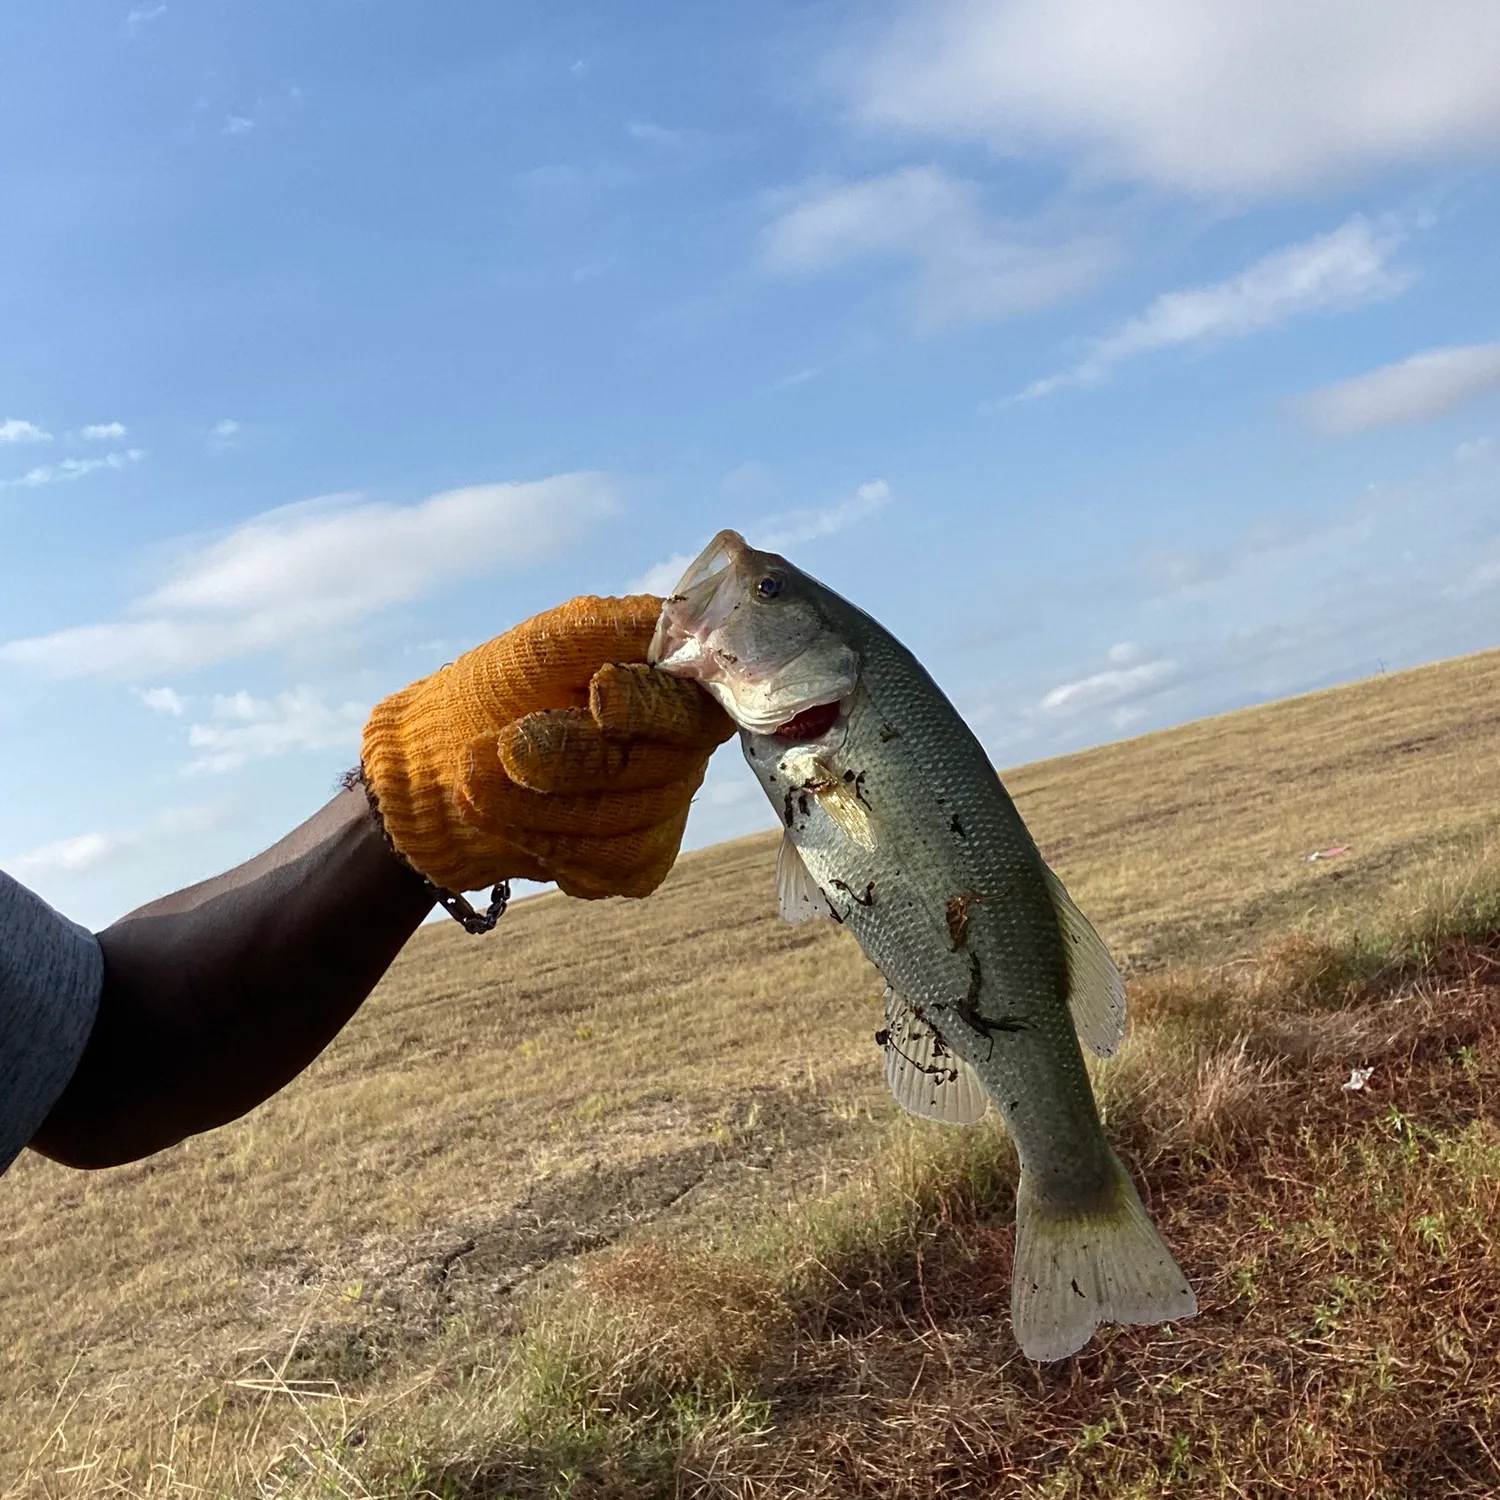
(769, 586)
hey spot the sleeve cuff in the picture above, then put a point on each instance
(51, 976)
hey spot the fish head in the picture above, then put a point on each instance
(759, 634)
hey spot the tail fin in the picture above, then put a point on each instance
(1074, 1271)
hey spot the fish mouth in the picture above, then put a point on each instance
(771, 678)
(704, 599)
(811, 723)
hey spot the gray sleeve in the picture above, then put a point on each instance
(51, 972)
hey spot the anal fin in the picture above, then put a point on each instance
(925, 1077)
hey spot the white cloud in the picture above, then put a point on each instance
(1429, 384)
(730, 793)
(1115, 686)
(1167, 569)
(92, 851)
(798, 377)
(238, 124)
(774, 533)
(649, 131)
(291, 573)
(1477, 581)
(1346, 267)
(14, 430)
(99, 432)
(968, 270)
(792, 528)
(65, 856)
(143, 15)
(690, 145)
(241, 728)
(1474, 448)
(225, 429)
(162, 700)
(660, 578)
(1249, 99)
(74, 468)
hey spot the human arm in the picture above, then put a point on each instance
(543, 754)
(215, 997)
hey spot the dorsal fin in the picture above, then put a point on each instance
(798, 896)
(1096, 992)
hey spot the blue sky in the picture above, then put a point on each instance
(1131, 359)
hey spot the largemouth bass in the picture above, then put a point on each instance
(897, 826)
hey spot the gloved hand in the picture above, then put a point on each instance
(551, 752)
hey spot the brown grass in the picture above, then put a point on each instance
(373, 1284)
(1344, 1248)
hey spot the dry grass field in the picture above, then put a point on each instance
(613, 1203)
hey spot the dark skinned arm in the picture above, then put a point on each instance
(490, 768)
(217, 996)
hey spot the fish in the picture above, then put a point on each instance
(897, 827)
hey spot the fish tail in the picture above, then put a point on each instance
(1078, 1267)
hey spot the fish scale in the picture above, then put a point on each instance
(898, 827)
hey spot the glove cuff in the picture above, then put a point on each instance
(411, 791)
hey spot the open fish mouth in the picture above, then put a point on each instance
(743, 623)
(702, 602)
(811, 723)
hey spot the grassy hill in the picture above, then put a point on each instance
(613, 1202)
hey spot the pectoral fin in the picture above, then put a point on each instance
(926, 1078)
(842, 803)
(798, 896)
(1096, 992)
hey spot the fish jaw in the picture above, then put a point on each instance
(746, 624)
(704, 598)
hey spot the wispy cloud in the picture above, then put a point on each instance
(242, 728)
(794, 527)
(691, 147)
(1429, 384)
(238, 124)
(660, 578)
(74, 468)
(1401, 575)
(101, 432)
(14, 430)
(1347, 267)
(1246, 100)
(789, 529)
(1117, 685)
(968, 269)
(87, 852)
(225, 429)
(163, 700)
(143, 15)
(656, 135)
(322, 565)
(798, 377)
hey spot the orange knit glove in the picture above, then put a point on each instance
(551, 752)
